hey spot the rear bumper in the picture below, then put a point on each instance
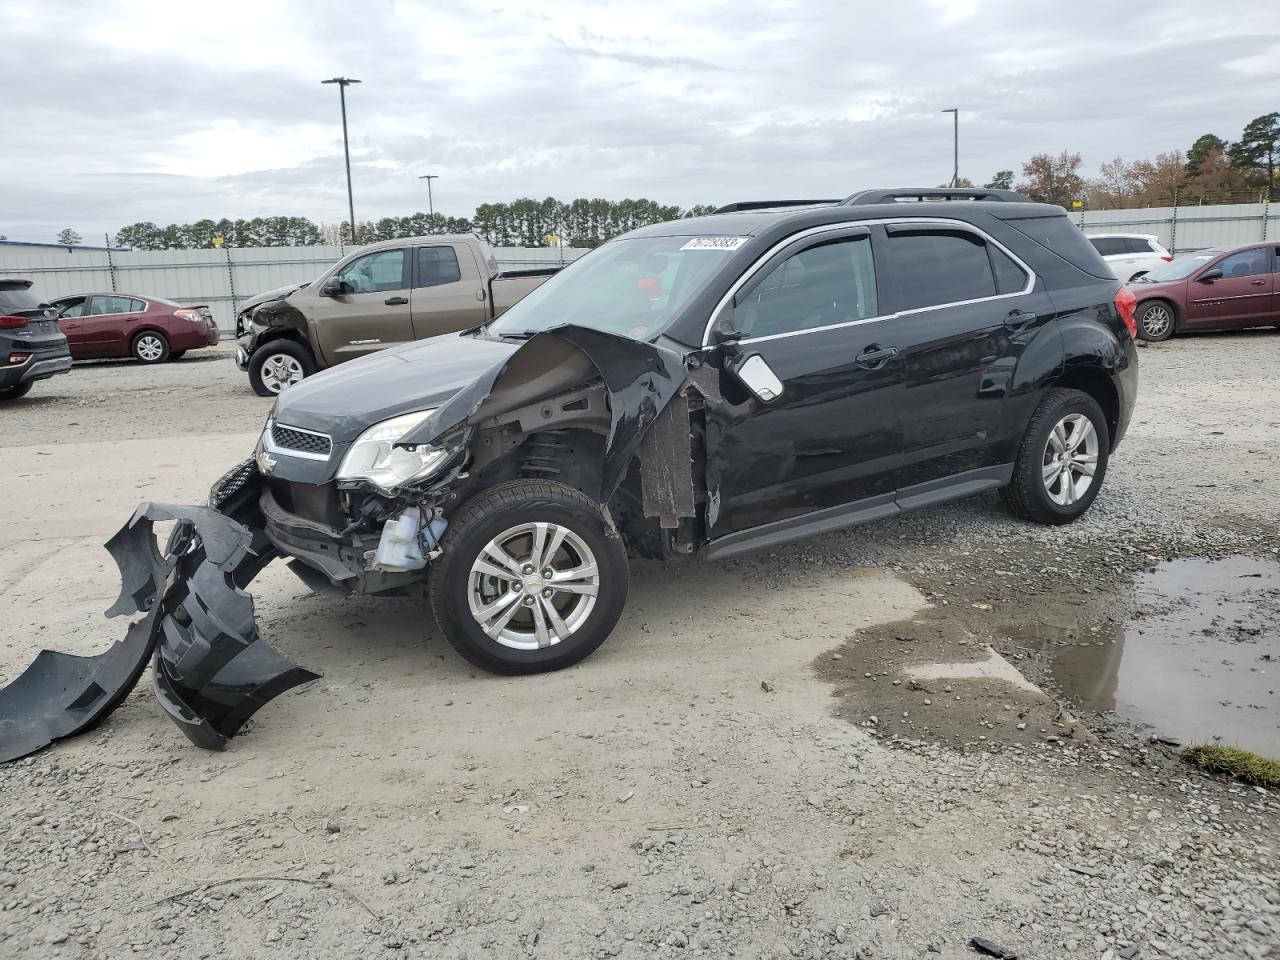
(36, 367)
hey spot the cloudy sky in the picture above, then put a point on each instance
(123, 111)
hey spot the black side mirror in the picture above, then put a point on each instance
(333, 287)
(1215, 273)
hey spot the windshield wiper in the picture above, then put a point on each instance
(518, 334)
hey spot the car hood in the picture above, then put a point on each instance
(1145, 290)
(346, 400)
(279, 293)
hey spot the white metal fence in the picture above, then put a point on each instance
(220, 278)
(1183, 229)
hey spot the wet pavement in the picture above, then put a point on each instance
(1197, 662)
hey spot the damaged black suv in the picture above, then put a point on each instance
(702, 388)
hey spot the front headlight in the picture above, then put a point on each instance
(374, 456)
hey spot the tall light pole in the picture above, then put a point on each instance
(431, 204)
(343, 83)
(955, 174)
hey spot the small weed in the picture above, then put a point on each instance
(1241, 764)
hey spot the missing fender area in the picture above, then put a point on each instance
(212, 670)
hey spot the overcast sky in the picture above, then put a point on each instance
(115, 112)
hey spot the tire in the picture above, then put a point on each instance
(507, 515)
(16, 392)
(286, 362)
(1032, 494)
(1155, 321)
(177, 355)
(150, 346)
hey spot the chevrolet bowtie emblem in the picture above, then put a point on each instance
(265, 463)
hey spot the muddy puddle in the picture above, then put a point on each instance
(1196, 656)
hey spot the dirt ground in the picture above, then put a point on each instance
(856, 746)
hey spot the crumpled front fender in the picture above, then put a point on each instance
(212, 670)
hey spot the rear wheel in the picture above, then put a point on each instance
(532, 577)
(150, 347)
(1155, 321)
(16, 392)
(1062, 460)
(278, 365)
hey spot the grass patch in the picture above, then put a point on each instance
(1241, 764)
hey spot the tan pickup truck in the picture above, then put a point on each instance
(382, 295)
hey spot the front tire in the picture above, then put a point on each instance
(277, 365)
(1062, 460)
(150, 347)
(533, 577)
(1155, 321)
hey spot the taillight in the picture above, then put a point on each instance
(192, 316)
(1127, 303)
(8, 323)
(15, 358)
(1167, 258)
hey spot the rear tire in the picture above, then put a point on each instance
(1066, 438)
(1155, 321)
(150, 347)
(563, 533)
(277, 365)
(17, 392)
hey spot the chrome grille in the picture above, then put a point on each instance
(287, 438)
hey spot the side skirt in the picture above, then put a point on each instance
(859, 512)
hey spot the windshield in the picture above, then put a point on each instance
(628, 287)
(1181, 268)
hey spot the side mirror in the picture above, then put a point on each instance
(758, 377)
(333, 287)
(1210, 275)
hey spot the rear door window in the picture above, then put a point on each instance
(938, 266)
(437, 266)
(1108, 246)
(103, 306)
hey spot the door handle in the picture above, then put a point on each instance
(1017, 319)
(1257, 283)
(876, 356)
(395, 301)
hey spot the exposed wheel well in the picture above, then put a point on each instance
(1097, 384)
(145, 330)
(284, 334)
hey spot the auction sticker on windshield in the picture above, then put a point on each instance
(714, 243)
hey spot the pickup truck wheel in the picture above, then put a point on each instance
(277, 365)
(1062, 460)
(532, 577)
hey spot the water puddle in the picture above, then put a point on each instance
(1199, 661)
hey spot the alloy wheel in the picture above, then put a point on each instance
(533, 585)
(1157, 320)
(280, 371)
(149, 348)
(1070, 459)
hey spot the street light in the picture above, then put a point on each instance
(955, 175)
(431, 204)
(343, 83)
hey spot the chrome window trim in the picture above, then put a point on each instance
(849, 224)
(269, 444)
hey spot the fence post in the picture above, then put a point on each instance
(111, 267)
(1173, 228)
(231, 282)
(1266, 209)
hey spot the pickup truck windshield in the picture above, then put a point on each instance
(628, 287)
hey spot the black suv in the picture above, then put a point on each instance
(692, 389)
(31, 345)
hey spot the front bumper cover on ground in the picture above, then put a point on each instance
(211, 670)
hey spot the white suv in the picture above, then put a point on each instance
(1130, 255)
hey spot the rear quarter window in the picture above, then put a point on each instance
(1059, 235)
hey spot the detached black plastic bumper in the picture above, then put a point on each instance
(211, 669)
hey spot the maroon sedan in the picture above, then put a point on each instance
(125, 325)
(1216, 289)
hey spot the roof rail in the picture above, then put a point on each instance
(766, 204)
(931, 193)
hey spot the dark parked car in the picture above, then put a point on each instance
(693, 389)
(151, 330)
(1219, 289)
(31, 347)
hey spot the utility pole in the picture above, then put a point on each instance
(343, 83)
(431, 204)
(955, 170)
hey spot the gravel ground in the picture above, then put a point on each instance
(750, 767)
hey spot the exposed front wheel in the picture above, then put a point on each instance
(150, 347)
(1155, 321)
(1062, 460)
(532, 577)
(278, 365)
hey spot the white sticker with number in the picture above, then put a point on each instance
(714, 243)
